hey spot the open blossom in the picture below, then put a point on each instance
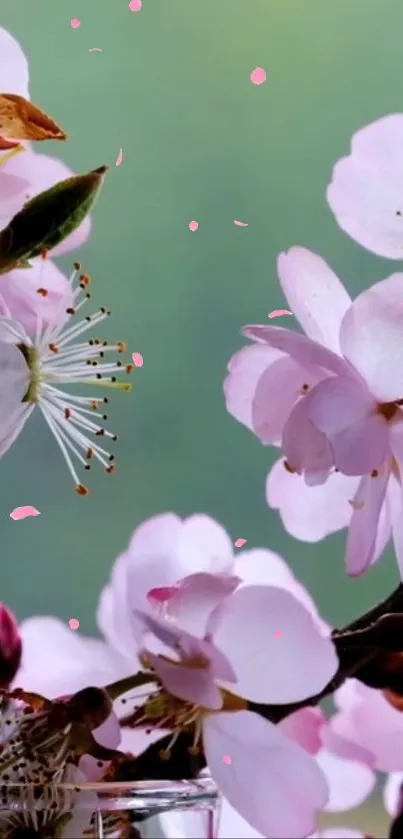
(365, 193)
(258, 644)
(24, 174)
(332, 400)
(35, 371)
(349, 780)
(163, 551)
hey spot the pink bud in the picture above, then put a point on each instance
(10, 647)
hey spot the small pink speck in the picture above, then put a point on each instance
(240, 223)
(23, 513)
(193, 226)
(240, 542)
(75, 23)
(135, 5)
(137, 359)
(277, 633)
(119, 158)
(258, 75)
(227, 760)
(74, 623)
(277, 313)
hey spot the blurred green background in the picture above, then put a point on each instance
(172, 88)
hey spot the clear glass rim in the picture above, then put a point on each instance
(142, 796)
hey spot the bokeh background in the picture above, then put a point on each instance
(172, 89)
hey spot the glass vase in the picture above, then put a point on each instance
(110, 810)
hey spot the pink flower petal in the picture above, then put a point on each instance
(273, 783)
(135, 5)
(373, 724)
(302, 662)
(194, 685)
(240, 223)
(75, 23)
(306, 448)
(119, 159)
(371, 338)
(304, 728)
(244, 372)
(345, 411)
(310, 513)
(23, 513)
(315, 294)
(277, 313)
(74, 624)
(392, 793)
(14, 73)
(239, 543)
(263, 567)
(365, 193)
(157, 596)
(193, 226)
(362, 533)
(196, 597)
(350, 782)
(288, 381)
(188, 647)
(137, 359)
(258, 76)
(302, 349)
(19, 291)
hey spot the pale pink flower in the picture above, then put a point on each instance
(35, 371)
(365, 193)
(165, 549)
(332, 400)
(269, 779)
(22, 176)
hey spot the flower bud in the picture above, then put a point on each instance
(10, 647)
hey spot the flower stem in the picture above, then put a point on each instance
(117, 689)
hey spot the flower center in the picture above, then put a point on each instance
(32, 358)
(162, 710)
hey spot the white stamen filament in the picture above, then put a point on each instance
(59, 359)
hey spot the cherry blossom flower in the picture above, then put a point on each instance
(365, 193)
(35, 372)
(268, 778)
(22, 176)
(349, 780)
(332, 400)
(162, 552)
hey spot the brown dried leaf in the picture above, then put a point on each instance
(21, 120)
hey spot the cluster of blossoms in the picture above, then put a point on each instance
(212, 664)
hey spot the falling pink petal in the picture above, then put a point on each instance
(240, 542)
(276, 313)
(95, 49)
(193, 226)
(137, 359)
(119, 157)
(258, 75)
(227, 759)
(23, 513)
(75, 23)
(74, 623)
(240, 223)
(135, 5)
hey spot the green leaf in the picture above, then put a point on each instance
(48, 219)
